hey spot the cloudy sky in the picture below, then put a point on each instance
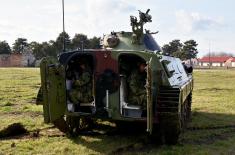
(206, 21)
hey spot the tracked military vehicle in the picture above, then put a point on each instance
(168, 84)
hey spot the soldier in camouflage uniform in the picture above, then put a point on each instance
(137, 80)
(82, 86)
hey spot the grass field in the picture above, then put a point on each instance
(212, 130)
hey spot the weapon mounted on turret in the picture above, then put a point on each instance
(137, 26)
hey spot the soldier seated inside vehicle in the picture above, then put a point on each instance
(133, 80)
(81, 84)
(137, 81)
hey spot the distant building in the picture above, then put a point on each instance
(233, 62)
(17, 60)
(216, 61)
(192, 62)
(28, 59)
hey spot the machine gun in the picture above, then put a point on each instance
(137, 26)
(145, 17)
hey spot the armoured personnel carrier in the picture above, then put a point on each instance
(167, 86)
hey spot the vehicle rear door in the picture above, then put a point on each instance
(54, 89)
(149, 90)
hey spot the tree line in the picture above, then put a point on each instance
(184, 51)
(51, 48)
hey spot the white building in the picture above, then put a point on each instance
(216, 61)
(233, 63)
(192, 62)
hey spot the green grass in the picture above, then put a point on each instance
(213, 106)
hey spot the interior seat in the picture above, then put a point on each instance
(127, 109)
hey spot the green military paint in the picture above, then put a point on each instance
(114, 89)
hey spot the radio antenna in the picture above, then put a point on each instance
(64, 44)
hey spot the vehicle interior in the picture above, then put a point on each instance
(77, 98)
(127, 64)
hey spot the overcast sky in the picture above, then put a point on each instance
(206, 21)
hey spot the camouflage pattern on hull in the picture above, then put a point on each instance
(161, 98)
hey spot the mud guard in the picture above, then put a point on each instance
(53, 90)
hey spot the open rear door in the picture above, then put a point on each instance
(54, 90)
(149, 97)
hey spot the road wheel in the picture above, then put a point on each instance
(157, 135)
(86, 124)
(171, 129)
(189, 109)
(184, 114)
(173, 124)
(72, 125)
(61, 125)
